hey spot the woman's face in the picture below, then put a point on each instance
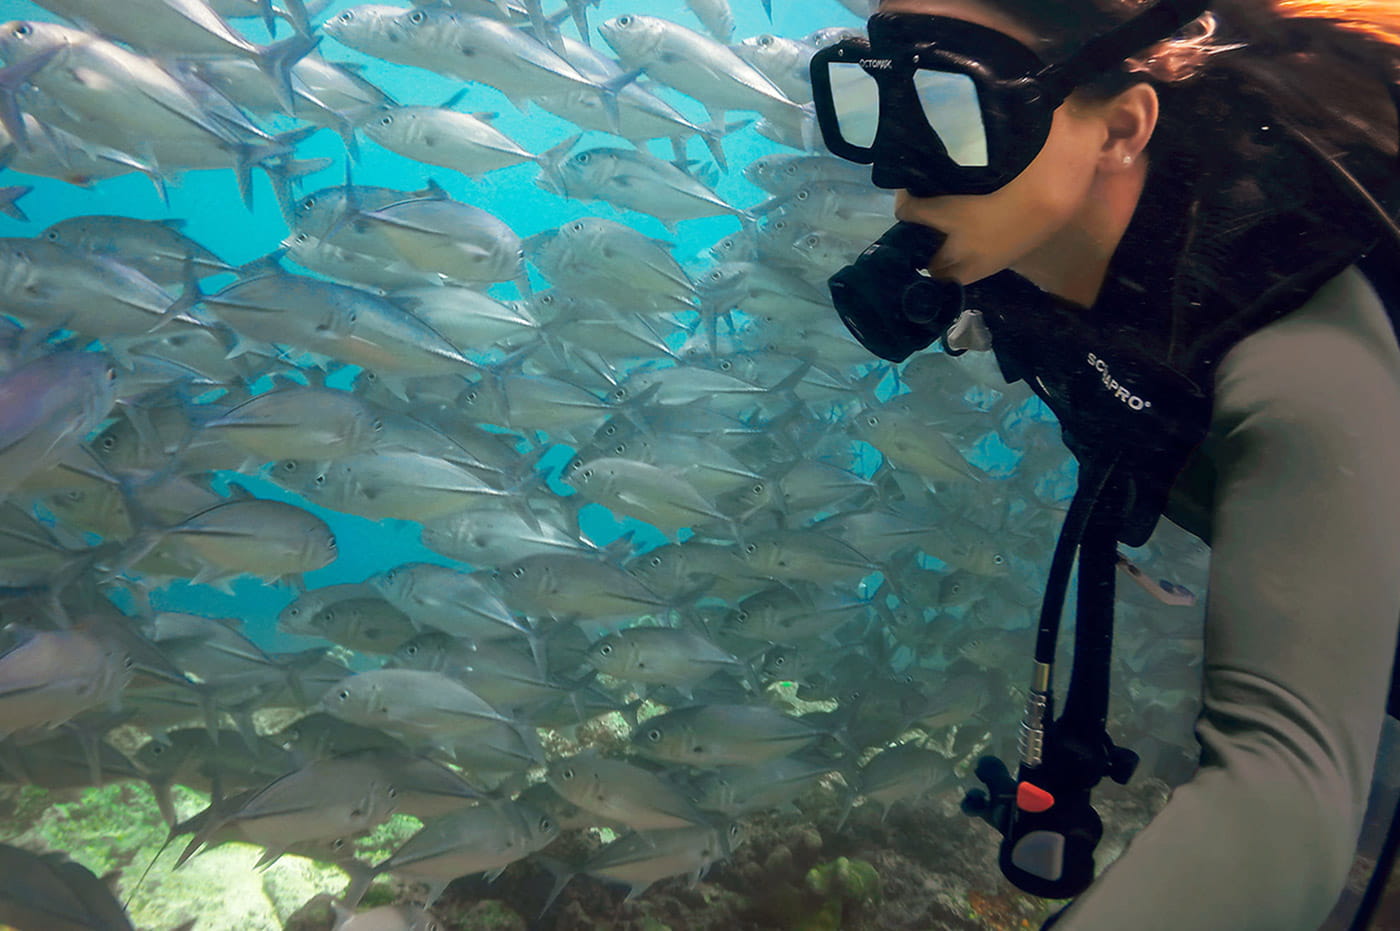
(1052, 201)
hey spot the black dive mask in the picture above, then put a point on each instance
(943, 106)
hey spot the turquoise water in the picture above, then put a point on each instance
(210, 203)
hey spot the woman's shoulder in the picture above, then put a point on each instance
(1337, 354)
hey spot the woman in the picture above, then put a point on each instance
(1181, 212)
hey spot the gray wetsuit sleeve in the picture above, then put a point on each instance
(1300, 629)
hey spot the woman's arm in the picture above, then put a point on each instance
(1301, 622)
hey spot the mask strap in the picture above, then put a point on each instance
(1106, 52)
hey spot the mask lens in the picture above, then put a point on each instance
(855, 98)
(952, 109)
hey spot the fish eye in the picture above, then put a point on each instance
(620, 448)
(338, 843)
(411, 649)
(803, 194)
(624, 21)
(347, 16)
(393, 792)
(606, 649)
(109, 442)
(518, 572)
(546, 825)
(417, 16)
(758, 489)
(726, 365)
(583, 158)
(751, 548)
(344, 695)
(302, 238)
(157, 747)
(812, 241)
(387, 121)
(23, 30)
(872, 421)
(376, 425)
(51, 236)
(765, 41)
(998, 560)
(321, 479)
(656, 562)
(566, 775)
(654, 735)
(289, 466)
(742, 617)
(328, 614)
(576, 227)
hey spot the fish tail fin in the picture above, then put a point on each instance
(609, 91)
(579, 10)
(296, 14)
(277, 60)
(562, 873)
(360, 880)
(9, 198)
(137, 888)
(713, 135)
(12, 78)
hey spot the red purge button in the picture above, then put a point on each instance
(1033, 798)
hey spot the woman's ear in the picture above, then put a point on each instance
(1130, 118)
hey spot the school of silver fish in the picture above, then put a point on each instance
(793, 510)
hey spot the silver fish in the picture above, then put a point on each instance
(618, 791)
(464, 142)
(156, 249)
(49, 677)
(640, 859)
(715, 16)
(426, 706)
(661, 656)
(323, 799)
(634, 180)
(715, 735)
(300, 423)
(693, 64)
(483, 839)
(567, 586)
(446, 599)
(46, 408)
(785, 62)
(267, 539)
